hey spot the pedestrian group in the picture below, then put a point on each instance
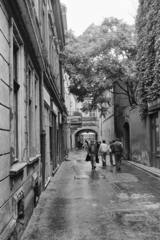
(110, 155)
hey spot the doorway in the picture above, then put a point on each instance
(126, 134)
(155, 148)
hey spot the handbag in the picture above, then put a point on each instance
(88, 158)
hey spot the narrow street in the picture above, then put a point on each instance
(81, 204)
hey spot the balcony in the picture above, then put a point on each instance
(88, 119)
(155, 104)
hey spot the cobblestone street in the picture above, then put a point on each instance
(81, 204)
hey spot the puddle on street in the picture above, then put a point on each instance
(133, 217)
(80, 159)
(81, 177)
(140, 197)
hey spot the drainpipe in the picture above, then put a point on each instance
(101, 128)
(43, 132)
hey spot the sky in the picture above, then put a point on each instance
(82, 13)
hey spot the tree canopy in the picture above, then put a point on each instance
(100, 58)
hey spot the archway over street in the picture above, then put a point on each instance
(83, 134)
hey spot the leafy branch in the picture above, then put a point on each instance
(102, 57)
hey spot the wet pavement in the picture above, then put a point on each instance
(81, 204)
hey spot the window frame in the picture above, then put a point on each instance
(30, 108)
(15, 59)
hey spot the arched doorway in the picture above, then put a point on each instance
(126, 134)
(83, 135)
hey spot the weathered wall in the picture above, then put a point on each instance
(20, 150)
(121, 102)
(5, 205)
(4, 94)
(106, 124)
(19, 187)
(140, 150)
(108, 129)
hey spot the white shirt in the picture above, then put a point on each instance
(103, 147)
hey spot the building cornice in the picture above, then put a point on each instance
(59, 22)
(26, 18)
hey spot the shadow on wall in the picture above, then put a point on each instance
(141, 156)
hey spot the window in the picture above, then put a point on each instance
(50, 49)
(20, 210)
(53, 58)
(33, 114)
(37, 114)
(51, 142)
(15, 99)
(157, 136)
(43, 26)
(57, 142)
(92, 114)
(16, 80)
(30, 112)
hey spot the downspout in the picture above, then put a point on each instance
(101, 128)
(43, 132)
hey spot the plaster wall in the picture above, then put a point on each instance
(5, 203)
(8, 186)
(24, 178)
(106, 124)
(108, 129)
(4, 93)
(139, 139)
(120, 103)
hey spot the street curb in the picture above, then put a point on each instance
(55, 170)
(151, 170)
(48, 181)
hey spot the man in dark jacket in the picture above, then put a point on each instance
(117, 149)
(92, 149)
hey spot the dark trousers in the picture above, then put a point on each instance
(103, 155)
(93, 161)
(118, 160)
(111, 158)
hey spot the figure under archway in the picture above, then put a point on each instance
(126, 134)
(81, 136)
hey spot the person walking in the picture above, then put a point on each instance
(86, 144)
(92, 151)
(97, 145)
(103, 152)
(117, 149)
(110, 152)
(113, 162)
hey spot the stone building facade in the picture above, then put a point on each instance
(32, 107)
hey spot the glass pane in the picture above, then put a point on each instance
(157, 140)
(15, 106)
